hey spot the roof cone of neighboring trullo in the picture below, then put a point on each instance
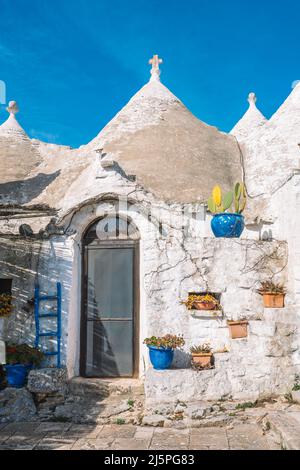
(272, 154)
(252, 120)
(172, 153)
(18, 155)
(286, 120)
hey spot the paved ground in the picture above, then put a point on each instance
(61, 436)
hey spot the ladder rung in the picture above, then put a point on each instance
(47, 297)
(41, 312)
(48, 315)
(49, 333)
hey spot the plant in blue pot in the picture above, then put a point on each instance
(228, 224)
(20, 358)
(161, 350)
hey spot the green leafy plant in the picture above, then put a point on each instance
(201, 349)
(296, 387)
(244, 406)
(270, 287)
(120, 421)
(130, 402)
(165, 342)
(23, 354)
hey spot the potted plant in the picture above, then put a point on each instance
(161, 350)
(20, 358)
(273, 294)
(201, 355)
(238, 328)
(5, 305)
(226, 224)
(202, 302)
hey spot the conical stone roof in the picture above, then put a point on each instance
(252, 120)
(172, 153)
(18, 156)
(272, 153)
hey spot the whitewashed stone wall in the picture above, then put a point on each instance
(28, 262)
(175, 260)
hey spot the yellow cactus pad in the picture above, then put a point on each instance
(217, 195)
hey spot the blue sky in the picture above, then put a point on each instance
(72, 64)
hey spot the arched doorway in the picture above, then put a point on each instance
(110, 299)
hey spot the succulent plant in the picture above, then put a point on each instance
(218, 203)
(165, 342)
(270, 287)
(239, 197)
(201, 349)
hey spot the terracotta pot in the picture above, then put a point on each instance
(198, 305)
(238, 329)
(273, 300)
(202, 359)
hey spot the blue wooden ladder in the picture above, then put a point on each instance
(40, 315)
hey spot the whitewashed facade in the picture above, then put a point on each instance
(57, 192)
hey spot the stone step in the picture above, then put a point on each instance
(92, 410)
(132, 387)
(87, 411)
(102, 388)
(286, 426)
(84, 387)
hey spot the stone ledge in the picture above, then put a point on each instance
(230, 379)
(187, 385)
(207, 314)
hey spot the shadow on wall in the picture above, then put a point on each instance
(26, 190)
(182, 360)
(27, 262)
(100, 358)
(264, 233)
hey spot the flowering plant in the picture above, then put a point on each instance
(23, 354)
(165, 342)
(5, 305)
(204, 298)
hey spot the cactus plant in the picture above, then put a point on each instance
(239, 197)
(217, 203)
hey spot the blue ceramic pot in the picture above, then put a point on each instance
(161, 358)
(16, 375)
(226, 225)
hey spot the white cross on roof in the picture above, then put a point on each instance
(155, 71)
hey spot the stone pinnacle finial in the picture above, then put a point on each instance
(252, 98)
(155, 71)
(12, 107)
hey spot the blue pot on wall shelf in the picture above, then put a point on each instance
(16, 374)
(226, 225)
(161, 358)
